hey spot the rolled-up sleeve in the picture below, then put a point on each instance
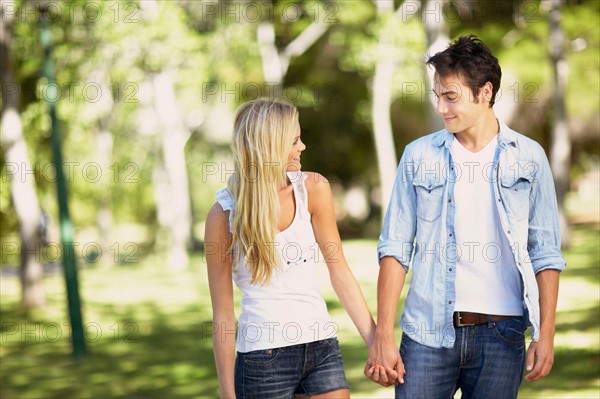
(543, 244)
(399, 226)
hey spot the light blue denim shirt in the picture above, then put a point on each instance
(419, 227)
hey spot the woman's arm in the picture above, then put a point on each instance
(217, 239)
(320, 205)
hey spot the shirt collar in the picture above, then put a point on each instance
(505, 137)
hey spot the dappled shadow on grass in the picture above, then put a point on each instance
(574, 370)
(579, 320)
(166, 360)
(156, 342)
(583, 256)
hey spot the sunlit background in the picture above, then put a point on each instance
(144, 94)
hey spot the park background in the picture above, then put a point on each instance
(144, 94)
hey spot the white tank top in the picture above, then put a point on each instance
(289, 310)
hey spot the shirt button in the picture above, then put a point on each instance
(499, 200)
(449, 302)
(508, 232)
(450, 269)
(449, 199)
(450, 234)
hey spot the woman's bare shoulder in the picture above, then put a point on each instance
(315, 181)
(217, 219)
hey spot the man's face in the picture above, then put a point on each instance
(456, 104)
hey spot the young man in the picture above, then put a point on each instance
(476, 203)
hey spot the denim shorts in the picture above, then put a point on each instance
(304, 370)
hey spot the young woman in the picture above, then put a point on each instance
(264, 233)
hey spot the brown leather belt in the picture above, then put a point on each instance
(465, 319)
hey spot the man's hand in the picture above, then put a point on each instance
(540, 358)
(384, 365)
(540, 355)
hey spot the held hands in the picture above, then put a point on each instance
(384, 365)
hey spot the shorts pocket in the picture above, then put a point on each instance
(261, 357)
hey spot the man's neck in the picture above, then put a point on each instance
(477, 137)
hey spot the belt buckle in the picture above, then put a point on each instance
(459, 323)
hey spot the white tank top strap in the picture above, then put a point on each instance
(225, 199)
(297, 178)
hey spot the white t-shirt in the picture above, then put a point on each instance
(289, 310)
(487, 278)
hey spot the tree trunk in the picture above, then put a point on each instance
(382, 128)
(275, 63)
(170, 178)
(104, 219)
(436, 30)
(174, 136)
(104, 147)
(560, 143)
(380, 111)
(22, 185)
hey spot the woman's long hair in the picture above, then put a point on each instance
(263, 136)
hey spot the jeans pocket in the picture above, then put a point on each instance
(331, 342)
(261, 357)
(511, 331)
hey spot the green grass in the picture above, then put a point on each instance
(148, 332)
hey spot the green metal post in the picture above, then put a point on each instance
(66, 227)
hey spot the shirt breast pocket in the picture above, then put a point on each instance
(515, 194)
(430, 194)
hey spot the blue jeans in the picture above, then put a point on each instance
(487, 361)
(304, 369)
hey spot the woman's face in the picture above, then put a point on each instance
(293, 162)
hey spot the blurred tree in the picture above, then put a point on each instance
(389, 54)
(170, 177)
(437, 31)
(207, 55)
(380, 106)
(560, 142)
(276, 61)
(24, 196)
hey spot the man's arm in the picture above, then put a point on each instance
(540, 355)
(395, 248)
(383, 353)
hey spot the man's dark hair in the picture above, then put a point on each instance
(469, 58)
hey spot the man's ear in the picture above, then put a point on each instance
(486, 92)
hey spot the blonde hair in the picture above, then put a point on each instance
(263, 137)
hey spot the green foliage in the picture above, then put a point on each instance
(583, 41)
(118, 46)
